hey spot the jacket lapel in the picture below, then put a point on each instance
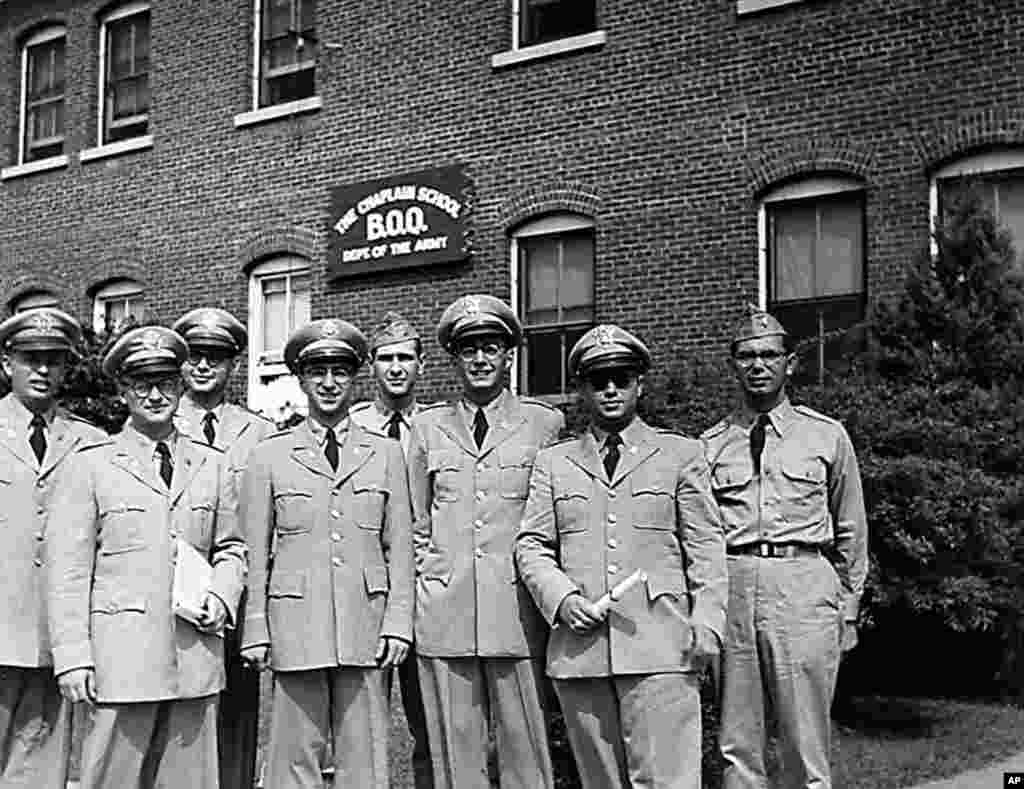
(232, 427)
(638, 445)
(187, 462)
(61, 442)
(353, 453)
(306, 452)
(509, 418)
(454, 426)
(583, 453)
(9, 437)
(128, 457)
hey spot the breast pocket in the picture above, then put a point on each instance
(368, 502)
(804, 485)
(444, 467)
(654, 505)
(121, 529)
(201, 522)
(515, 464)
(571, 510)
(293, 509)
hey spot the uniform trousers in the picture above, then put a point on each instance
(634, 730)
(149, 744)
(349, 705)
(35, 729)
(781, 652)
(237, 718)
(461, 696)
(412, 704)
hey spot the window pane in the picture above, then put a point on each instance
(839, 257)
(275, 321)
(278, 18)
(1011, 210)
(300, 302)
(545, 362)
(795, 229)
(540, 260)
(307, 15)
(141, 24)
(578, 270)
(547, 20)
(119, 50)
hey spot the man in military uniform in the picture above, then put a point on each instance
(479, 638)
(332, 612)
(215, 339)
(626, 501)
(396, 358)
(130, 510)
(36, 440)
(786, 480)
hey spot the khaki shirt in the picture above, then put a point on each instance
(809, 490)
(27, 525)
(468, 503)
(582, 532)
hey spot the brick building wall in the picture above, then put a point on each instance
(667, 135)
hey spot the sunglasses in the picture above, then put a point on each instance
(621, 378)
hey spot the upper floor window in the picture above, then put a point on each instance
(815, 267)
(288, 46)
(279, 303)
(124, 73)
(540, 21)
(33, 299)
(42, 95)
(116, 301)
(998, 178)
(553, 289)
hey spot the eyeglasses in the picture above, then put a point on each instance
(165, 386)
(621, 378)
(768, 358)
(490, 350)
(317, 373)
(213, 358)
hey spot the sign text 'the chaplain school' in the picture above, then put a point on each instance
(415, 219)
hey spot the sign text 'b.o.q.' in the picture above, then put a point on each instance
(416, 219)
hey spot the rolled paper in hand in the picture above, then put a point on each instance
(618, 591)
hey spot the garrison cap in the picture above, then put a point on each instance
(477, 314)
(395, 329)
(146, 350)
(40, 329)
(608, 345)
(325, 339)
(212, 327)
(757, 323)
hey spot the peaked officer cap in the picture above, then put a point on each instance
(40, 329)
(477, 314)
(212, 327)
(608, 345)
(325, 339)
(146, 350)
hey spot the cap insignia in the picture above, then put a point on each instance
(605, 335)
(329, 330)
(471, 307)
(762, 321)
(209, 320)
(44, 322)
(151, 340)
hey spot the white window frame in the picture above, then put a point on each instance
(552, 224)
(47, 34)
(114, 291)
(978, 164)
(121, 12)
(33, 299)
(520, 54)
(270, 111)
(261, 369)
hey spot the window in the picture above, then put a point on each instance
(816, 267)
(553, 289)
(33, 299)
(287, 41)
(42, 95)
(540, 21)
(279, 303)
(124, 73)
(999, 179)
(115, 302)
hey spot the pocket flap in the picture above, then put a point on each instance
(376, 579)
(568, 495)
(730, 477)
(805, 470)
(434, 567)
(287, 585)
(661, 584)
(119, 601)
(442, 460)
(283, 494)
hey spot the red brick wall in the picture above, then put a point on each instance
(667, 134)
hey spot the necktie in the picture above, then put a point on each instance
(37, 439)
(757, 442)
(208, 429)
(331, 449)
(393, 425)
(479, 428)
(612, 454)
(166, 470)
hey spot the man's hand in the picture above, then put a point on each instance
(848, 638)
(391, 651)
(258, 657)
(79, 684)
(214, 615)
(705, 649)
(579, 614)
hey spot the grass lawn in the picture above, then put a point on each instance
(898, 742)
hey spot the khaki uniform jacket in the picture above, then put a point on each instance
(112, 568)
(582, 533)
(809, 490)
(372, 415)
(468, 504)
(26, 491)
(238, 431)
(331, 550)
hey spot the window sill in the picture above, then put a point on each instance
(38, 166)
(549, 49)
(272, 113)
(116, 148)
(744, 7)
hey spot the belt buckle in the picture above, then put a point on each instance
(764, 550)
